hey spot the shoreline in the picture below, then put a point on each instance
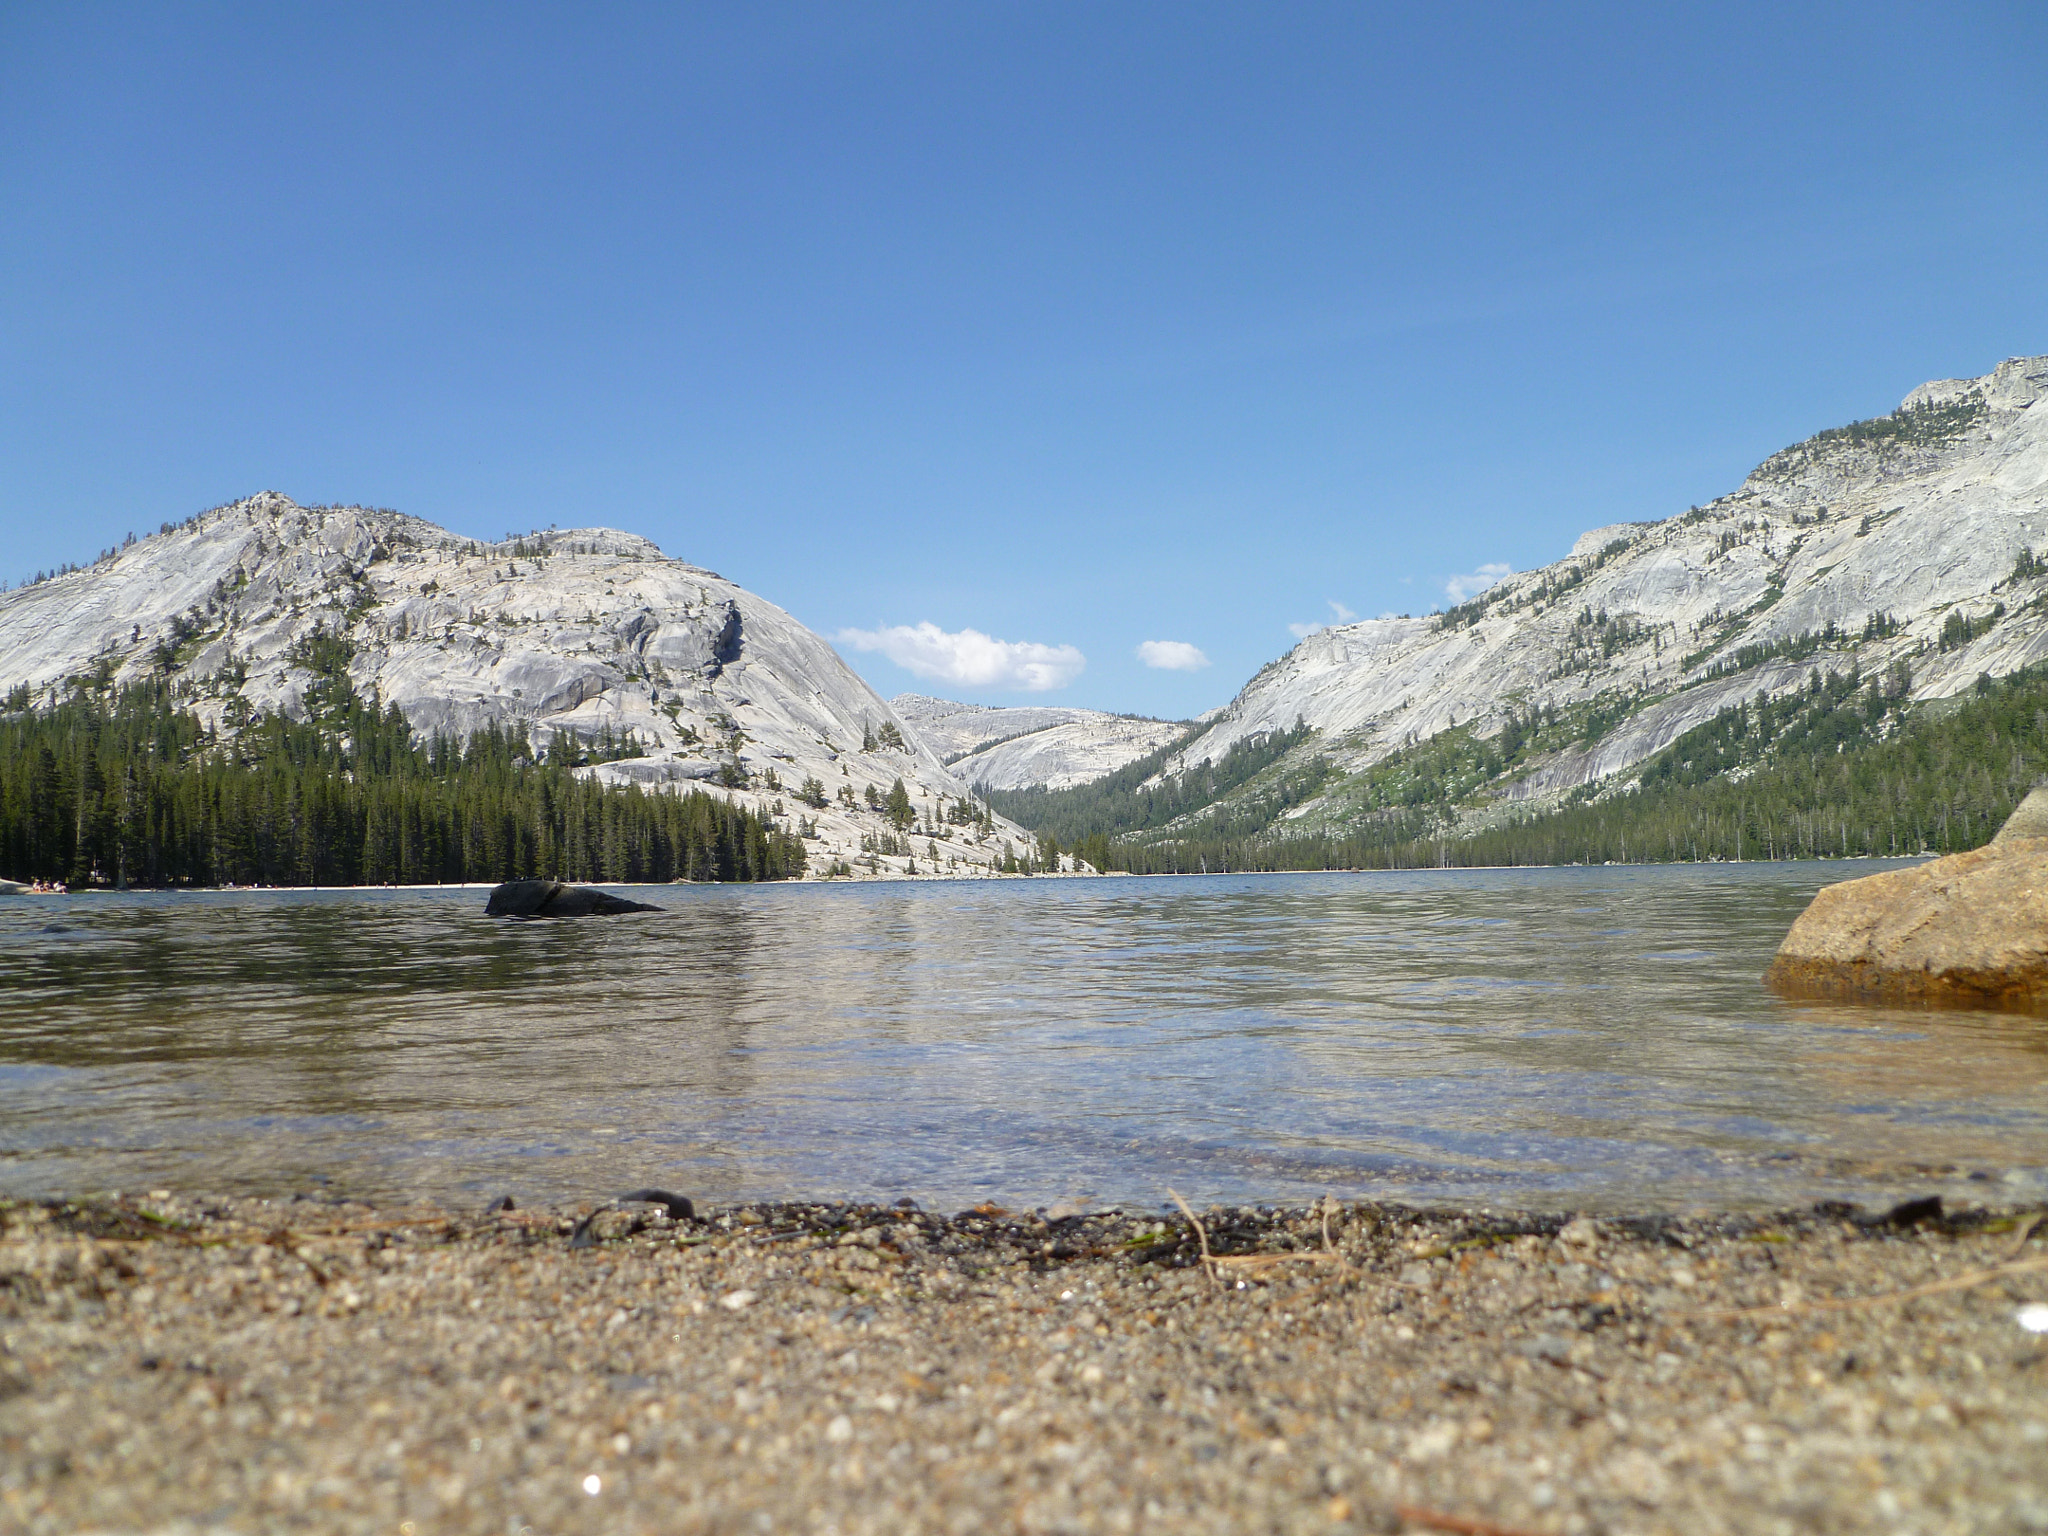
(299, 1364)
(955, 879)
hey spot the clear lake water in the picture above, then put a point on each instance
(1591, 1039)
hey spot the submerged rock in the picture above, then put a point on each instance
(551, 898)
(1969, 930)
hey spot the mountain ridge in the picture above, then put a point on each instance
(1902, 541)
(1903, 548)
(1034, 744)
(579, 638)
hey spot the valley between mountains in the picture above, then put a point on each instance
(1839, 656)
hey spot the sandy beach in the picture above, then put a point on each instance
(191, 1365)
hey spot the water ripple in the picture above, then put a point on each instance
(1591, 1037)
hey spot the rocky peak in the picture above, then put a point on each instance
(588, 637)
(1901, 545)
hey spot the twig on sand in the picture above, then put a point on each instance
(2019, 1242)
(1457, 1525)
(1256, 1264)
(1963, 1282)
(1208, 1259)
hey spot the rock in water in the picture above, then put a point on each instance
(2029, 819)
(551, 898)
(1968, 931)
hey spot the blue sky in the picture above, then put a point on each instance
(1077, 327)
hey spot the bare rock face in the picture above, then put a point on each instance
(1970, 930)
(2028, 821)
(561, 640)
(1852, 549)
(1049, 745)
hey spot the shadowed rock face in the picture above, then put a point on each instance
(1968, 931)
(551, 898)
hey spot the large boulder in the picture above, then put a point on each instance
(1969, 930)
(551, 898)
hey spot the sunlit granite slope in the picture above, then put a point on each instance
(1908, 535)
(1034, 744)
(582, 631)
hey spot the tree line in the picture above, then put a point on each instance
(1137, 798)
(128, 789)
(1844, 767)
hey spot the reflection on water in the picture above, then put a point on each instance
(1588, 1037)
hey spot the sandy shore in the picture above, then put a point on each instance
(196, 1365)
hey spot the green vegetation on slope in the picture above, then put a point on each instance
(1842, 768)
(126, 788)
(1931, 424)
(1085, 818)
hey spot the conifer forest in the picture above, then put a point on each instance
(125, 788)
(1844, 768)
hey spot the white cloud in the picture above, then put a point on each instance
(1472, 583)
(1172, 655)
(970, 658)
(1343, 616)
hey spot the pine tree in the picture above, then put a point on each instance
(898, 807)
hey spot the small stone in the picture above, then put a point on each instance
(737, 1301)
(1428, 1444)
(840, 1430)
(1580, 1232)
(1546, 1346)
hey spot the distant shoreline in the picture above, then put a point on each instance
(899, 879)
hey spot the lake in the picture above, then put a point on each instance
(1583, 1038)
